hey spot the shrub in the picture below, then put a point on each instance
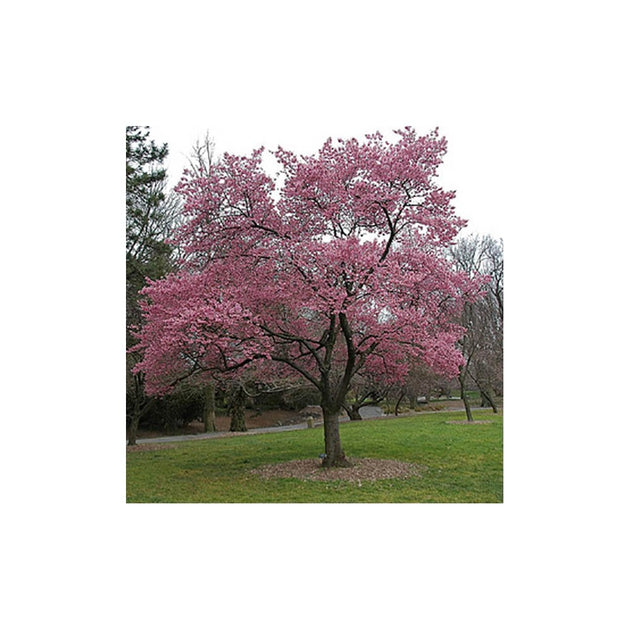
(176, 410)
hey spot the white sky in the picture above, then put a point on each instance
(511, 89)
(471, 128)
(533, 99)
(461, 170)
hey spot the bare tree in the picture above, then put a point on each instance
(201, 158)
(482, 345)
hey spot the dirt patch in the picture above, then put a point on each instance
(466, 422)
(260, 419)
(363, 469)
(253, 420)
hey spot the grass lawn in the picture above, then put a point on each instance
(461, 464)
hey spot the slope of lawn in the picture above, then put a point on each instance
(461, 464)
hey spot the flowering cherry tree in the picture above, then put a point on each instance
(333, 268)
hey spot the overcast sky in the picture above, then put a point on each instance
(461, 171)
(476, 123)
(513, 90)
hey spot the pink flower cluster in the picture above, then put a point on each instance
(335, 268)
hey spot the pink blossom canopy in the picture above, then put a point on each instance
(334, 267)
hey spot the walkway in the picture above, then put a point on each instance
(219, 434)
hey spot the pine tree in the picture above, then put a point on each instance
(149, 218)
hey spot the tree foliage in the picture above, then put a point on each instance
(335, 268)
(149, 211)
(149, 217)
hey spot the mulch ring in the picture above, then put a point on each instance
(467, 422)
(363, 469)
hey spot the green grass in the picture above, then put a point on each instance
(462, 464)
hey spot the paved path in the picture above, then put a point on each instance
(220, 434)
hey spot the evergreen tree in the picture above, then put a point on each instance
(150, 213)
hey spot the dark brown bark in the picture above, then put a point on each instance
(488, 399)
(462, 390)
(132, 434)
(487, 394)
(236, 407)
(353, 412)
(140, 410)
(140, 407)
(398, 401)
(334, 456)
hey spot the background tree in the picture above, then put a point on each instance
(150, 212)
(421, 380)
(261, 380)
(367, 389)
(424, 382)
(149, 217)
(482, 344)
(337, 266)
(201, 159)
(236, 399)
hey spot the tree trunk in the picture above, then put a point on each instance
(462, 390)
(135, 419)
(354, 413)
(413, 401)
(209, 415)
(236, 407)
(335, 457)
(133, 429)
(488, 399)
(398, 401)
